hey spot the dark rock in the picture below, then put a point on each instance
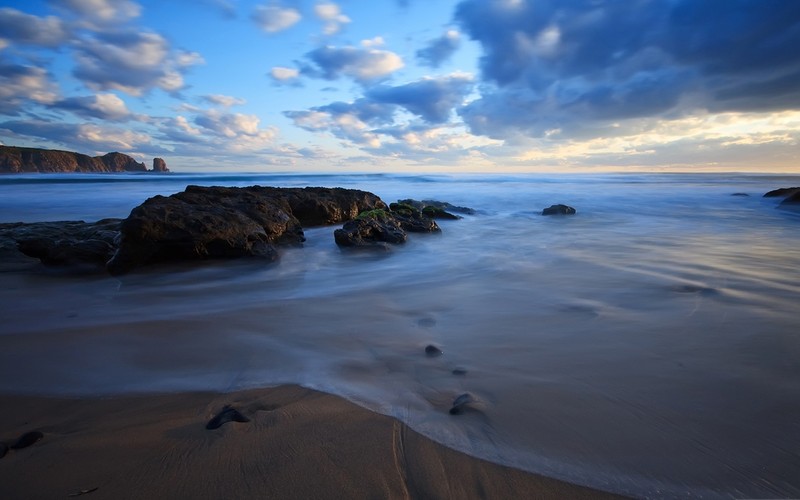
(3, 449)
(558, 210)
(228, 414)
(782, 192)
(159, 165)
(793, 199)
(433, 351)
(740, 194)
(65, 243)
(15, 160)
(438, 213)
(370, 230)
(222, 222)
(27, 439)
(461, 403)
(442, 205)
(459, 371)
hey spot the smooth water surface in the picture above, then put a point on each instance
(648, 345)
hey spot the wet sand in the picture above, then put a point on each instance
(298, 443)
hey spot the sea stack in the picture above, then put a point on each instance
(159, 165)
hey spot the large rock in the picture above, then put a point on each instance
(159, 165)
(437, 209)
(20, 160)
(222, 222)
(792, 200)
(61, 243)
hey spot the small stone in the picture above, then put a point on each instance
(558, 210)
(27, 439)
(228, 414)
(740, 194)
(3, 449)
(460, 403)
(459, 371)
(433, 351)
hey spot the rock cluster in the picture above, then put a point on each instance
(377, 229)
(224, 222)
(14, 160)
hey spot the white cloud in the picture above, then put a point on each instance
(331, 14)
(378, 41)
(361, 64)
(283, 74)
(131, 62)
(102, 11)
(19, 84)
(274, 18)
(223, 100)
(103, 106)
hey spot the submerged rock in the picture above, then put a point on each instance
(461, 403)
(432, 351)
(782, 192)
(437, 206)
(793, 199)
(558, 210)
(228, 414)
(27, 439)
(376, 229)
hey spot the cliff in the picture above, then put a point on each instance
(18, 160)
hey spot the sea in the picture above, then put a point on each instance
(648, 345)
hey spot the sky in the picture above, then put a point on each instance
(408, 85)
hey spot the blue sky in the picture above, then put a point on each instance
(408, 85)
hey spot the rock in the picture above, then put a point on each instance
(461, 403)
(558, 210)
(65, 243)
(371, 230)
(223, 222)
(459, 371)
(228, 414)
(782, 192)
(438, 213)
(118, 162)
(793, 199)
(159, 165)
(27, 439)
(443, 205)
(3, 449)
(17, 160)
(740, 194)
(432, 351)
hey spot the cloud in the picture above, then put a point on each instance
(433, 99)
(284, 75)
(274, 18)
(374, 122)
(79, 136)
(22, 84)
(364, 65)
(131, 62)
(103, 106)
(584, 67)
(439, 49)
(226, 7)
(101, 11)
(20, 28)
(332, 17)
(223, 100)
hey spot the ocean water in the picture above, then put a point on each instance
(649, 345)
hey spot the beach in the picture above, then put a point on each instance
(298, 443)
(645, 346)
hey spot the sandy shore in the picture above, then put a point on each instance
(298, 443)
